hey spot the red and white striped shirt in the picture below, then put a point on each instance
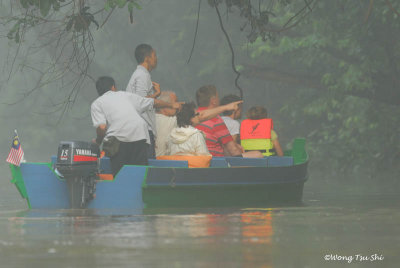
(216, 132)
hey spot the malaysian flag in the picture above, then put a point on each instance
(16, 155)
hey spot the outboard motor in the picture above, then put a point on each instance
(77, 162)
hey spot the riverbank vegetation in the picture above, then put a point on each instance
(327, 70)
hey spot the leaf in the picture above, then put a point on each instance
(107, 6)
(91, 18)
(17, 37)
(121, 3)
(69, 24)
(239, 68)
(139, 7)
(14, 29)
(24, 3)
(44, 7)
(9, 35)
(56, 5)
(130, 7)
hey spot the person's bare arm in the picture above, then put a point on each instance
(101, 133)
(164, 104)
(236, 138)
(232, 148)
(211, 113)
(277, 147)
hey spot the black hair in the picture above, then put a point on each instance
(184, 116)
(104, 84)
(142, 51)
(229, 99)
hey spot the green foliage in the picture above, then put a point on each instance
(43, 6)
(340, 66)
(15, 32)
(131, 4)
(35, 11)
(257, 19)
(351, 60)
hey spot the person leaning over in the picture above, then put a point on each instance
(218, 139)
(116, 115)
(188, 143)
(140, 83)
(230, 117)
(185, 139)
(256, 133)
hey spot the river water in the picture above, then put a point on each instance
(334, 227)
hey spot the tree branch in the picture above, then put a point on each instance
(195, 33)
(231, 48)
(391, 7)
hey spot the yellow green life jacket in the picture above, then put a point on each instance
(255, 135)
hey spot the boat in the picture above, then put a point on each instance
(228, 182)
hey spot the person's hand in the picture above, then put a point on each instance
(233, 105)
(94, 141)
(157, 88)
(240, 148)
(177, 105)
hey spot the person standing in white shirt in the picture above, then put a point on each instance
(141, 84)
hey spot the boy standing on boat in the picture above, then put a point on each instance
(141, 84)
(116, 115)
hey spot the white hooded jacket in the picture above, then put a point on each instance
(186, 141)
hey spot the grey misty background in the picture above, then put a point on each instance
(169, 28)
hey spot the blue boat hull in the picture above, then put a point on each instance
(139, 187)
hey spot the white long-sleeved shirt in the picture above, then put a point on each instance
(120, 111)
(140, 84)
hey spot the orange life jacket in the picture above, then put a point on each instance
(256, 129)
(255, 135)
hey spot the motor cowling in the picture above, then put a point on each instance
(77, 162)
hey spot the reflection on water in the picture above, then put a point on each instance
(180, 240)
(257, 227)
(237, 237)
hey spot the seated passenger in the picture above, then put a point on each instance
(185, 139)
(166, 119)
(165, 122)
(218, 139)
(230, 117)
(256, 133)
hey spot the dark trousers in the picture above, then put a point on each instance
(129, 153)
(151, 154)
